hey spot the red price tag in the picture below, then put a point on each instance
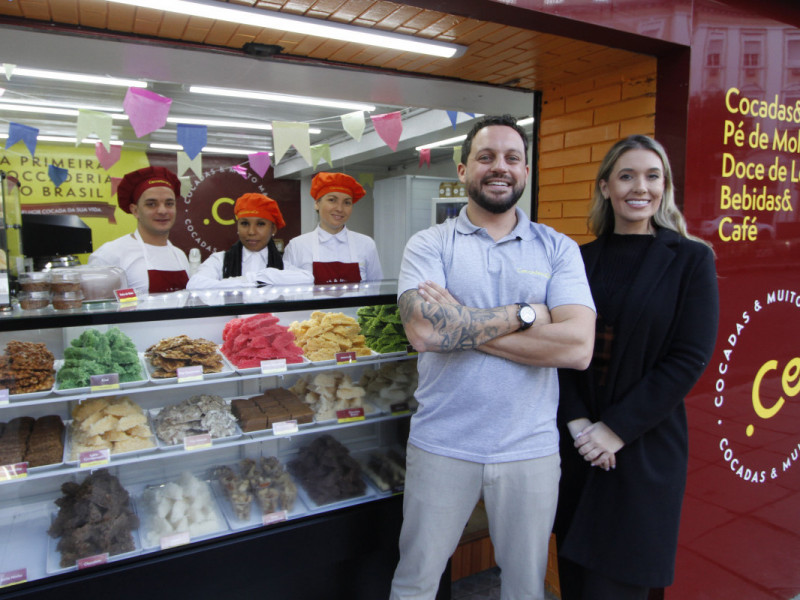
(350, 414)
(92, 561)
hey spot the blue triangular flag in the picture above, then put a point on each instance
(57, 174)
(193, 138)
(17, 132)
(453, 114)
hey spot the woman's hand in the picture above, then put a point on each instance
(599, 445)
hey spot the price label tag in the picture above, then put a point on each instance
(197, 442)
(101, 383)
(126, 296)
(13, 577)
(3, 396)
(284, 428)
(274, 517)
(176, 539)
(277, 365)
(193, 373)
(15, 471)
(92, 561)
(343, 358)
(400, 408)
(350, 414)
(94, 458)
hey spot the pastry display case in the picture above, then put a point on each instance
(190, 438)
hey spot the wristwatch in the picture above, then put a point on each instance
(526, 316)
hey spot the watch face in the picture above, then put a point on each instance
(527, 314)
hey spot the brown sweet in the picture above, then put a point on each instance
(35, 441)
(171, 354)
(94, 517)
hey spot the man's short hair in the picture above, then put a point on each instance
(488, 121)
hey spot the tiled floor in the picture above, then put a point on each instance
(481, 586)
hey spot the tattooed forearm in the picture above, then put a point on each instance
(447, 327)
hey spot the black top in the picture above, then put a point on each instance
(232, 261)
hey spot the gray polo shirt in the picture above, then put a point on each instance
(474, 406)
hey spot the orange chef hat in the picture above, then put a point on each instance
(135, 183)
(259, 206)
(325, 183)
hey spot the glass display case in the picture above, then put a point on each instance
(257, 502)
(11, 258)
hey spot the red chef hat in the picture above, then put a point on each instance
(260, 206)
(135, 183)
(325, 183)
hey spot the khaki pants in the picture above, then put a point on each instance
(440, 494)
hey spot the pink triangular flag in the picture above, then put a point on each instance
(115, 181)
(425, 157)
(389, 127)
(108, 158)
(146, 110)
(259, 162)
(240, 170)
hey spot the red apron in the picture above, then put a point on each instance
(335, 272)
(159, 281)
(166, 281)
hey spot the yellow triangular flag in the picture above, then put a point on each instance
(91, 121)
(185, 163)
(321, 152)
(354, 124)
(285, 135)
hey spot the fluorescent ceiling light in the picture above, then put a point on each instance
(41, 110)
(225, 123)
(67, 140)
(301, 25)
(454, 141)
(207, 149)
(525, 122)
(77, 77)
(65, 105)
(268, 97)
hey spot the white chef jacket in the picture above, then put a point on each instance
(135, 257)
(346, 246)
(254, 270)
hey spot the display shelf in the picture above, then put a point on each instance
(205, 303)
(171, 314)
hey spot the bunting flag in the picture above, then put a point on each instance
(354, 124)
(240, 170)
(389, 127)
(57, 174)
(92, 121)
(194, 164)
(115, 181)
(321, 152)
(9, 69)
(146, 110)
(28, 135)
(107, 158)
(366, 179)
(287, 134)
(193, 138)
(259, 163)
(425, 157)
(453, 114)
(457, 155)
(186, 184)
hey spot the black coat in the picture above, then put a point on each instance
(624, 522)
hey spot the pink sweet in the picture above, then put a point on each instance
(246, 342)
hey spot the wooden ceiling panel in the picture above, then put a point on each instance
(66, 12)
(121, 18)
(350, 10)
(496, 54)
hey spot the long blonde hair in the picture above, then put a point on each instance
(668, 216)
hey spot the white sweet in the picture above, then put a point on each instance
(185, 505)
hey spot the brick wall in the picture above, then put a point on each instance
(580, 121)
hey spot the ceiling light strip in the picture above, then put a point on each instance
(301, 25)
(77, 77)
(269, 97)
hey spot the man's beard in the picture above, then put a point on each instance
(493, 206)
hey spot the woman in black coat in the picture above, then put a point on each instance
(623, 425)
